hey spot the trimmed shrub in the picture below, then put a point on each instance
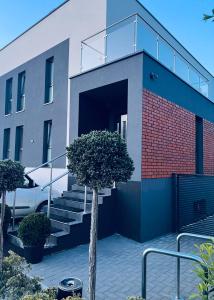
(34, 229)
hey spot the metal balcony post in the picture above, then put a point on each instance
(50, 190)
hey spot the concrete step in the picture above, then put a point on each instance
(78, 194)
(76, 187)
(66, 214)
(72, 202)
(62, 224)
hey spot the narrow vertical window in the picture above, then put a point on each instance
(199, 145)
(6, 144)
(19, 143)
(47, 141)
(49, 80)
(9, 96)
(21, 91)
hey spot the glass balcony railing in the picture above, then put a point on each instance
(131, 35)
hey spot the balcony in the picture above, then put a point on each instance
(132, 35)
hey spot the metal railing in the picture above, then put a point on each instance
(178, 246)
(131, 35)
(167, 253)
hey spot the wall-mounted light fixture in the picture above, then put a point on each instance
(153, 76)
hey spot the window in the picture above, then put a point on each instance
(6, 144)
(21, 91)
(9, 96)
(199, 145)
(19, 143)
(165, 54)
(47, 141)
(49, 80)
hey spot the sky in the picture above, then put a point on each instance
(183, 18)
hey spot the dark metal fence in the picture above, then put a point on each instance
(194, 199)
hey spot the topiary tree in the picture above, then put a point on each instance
(11, 177)
(98, 159)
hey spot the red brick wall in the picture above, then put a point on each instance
(168, 142)
(208, 148)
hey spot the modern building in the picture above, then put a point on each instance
(110, 64)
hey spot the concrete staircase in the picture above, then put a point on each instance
(70, 224)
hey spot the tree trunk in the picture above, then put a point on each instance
(1, 231)
(93, 246)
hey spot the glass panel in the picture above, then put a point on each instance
(166, 55)
(120, 39)
(204, 87)
(6, 145)
(93, 51)
(8, 96)
(21, 91)
(181, 68)
(146, 38)
(47, 142)
(194, 78)
(49, 80)
(19, 143)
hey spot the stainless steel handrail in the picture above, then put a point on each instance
(45, 164)
(167, 253)
(178, 246)
(54, 180)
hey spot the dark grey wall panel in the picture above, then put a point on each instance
(174, 89)
(156, 208)
(35, 113)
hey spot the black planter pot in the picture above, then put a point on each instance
(34, 254)
(69, 287)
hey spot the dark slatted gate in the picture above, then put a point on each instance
(194, 195)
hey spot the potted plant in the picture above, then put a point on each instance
(7, 220)
(33, 231)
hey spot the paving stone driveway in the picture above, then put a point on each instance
(119, 268)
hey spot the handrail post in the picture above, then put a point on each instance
(85, 200)
(50, 191)
(178, 246)
(167, 253)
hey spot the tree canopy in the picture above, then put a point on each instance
(11, 175)
(210, 16)
(99, 159)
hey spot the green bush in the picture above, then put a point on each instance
(11, 175)
(99, 159)
(14, 282)
(34, 229)
(205, 272)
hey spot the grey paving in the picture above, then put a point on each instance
(119, 268)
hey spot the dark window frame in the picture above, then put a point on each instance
(8, 96)
(49, 80)
(47, 141)
(21, 91)
(6, 144)
(19, 143)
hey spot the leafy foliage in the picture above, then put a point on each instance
(11, 175)
(205, 272)
(135, 298)
(209, 17)
(99, 159)
(14, 282)
(34, 229)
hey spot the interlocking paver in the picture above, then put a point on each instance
(119, 268)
